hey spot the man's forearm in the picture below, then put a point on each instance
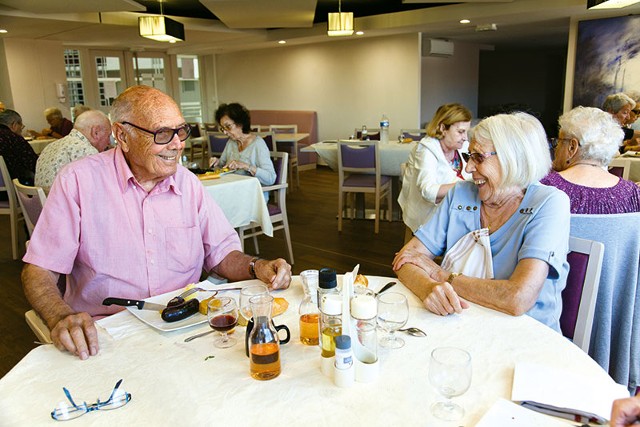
(41, 289)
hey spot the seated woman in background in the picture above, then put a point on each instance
(434, 165)
(587, 141)
(620, 105)
(247, 152)
(504, 236)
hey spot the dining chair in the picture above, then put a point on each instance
(31, 201)
(211, 127)
(615, 337)
(277, 205)
(197, 143)
(414, 134)
(217, 142)
(580, 294)
(10, 207)
(359, 172)
(291, 147)
(372, 133)
(38, 326)
(620, 167)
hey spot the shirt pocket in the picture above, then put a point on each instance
(183, 248)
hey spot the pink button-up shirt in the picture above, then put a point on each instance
(112, 238)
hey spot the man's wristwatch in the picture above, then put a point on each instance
(452, 276)
(252, 267)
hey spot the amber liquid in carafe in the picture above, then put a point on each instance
(309, 328)
(264, 361)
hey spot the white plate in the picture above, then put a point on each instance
(153, 319)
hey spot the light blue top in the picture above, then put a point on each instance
(256, 154)
(538, 229)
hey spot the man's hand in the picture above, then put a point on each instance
(444, 300)
(77, 334)
(276, 273)
(625, 412)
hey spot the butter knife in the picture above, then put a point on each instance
(385, 287)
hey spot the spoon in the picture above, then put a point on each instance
(193, 337)
(416, 332)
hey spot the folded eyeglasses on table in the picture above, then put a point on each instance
(64, 411)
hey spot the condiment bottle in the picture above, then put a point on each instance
(264, 344)
(343, 366)
(331, 327)
(309, 320)
(327, 284)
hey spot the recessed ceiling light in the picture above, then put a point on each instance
(359, 33)
(2, 30)
(465, 21)
(282, 42)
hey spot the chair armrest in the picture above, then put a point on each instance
(274, 187)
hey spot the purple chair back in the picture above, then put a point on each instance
(31, 206)
(572, 293)
(358, 157)
(268, 139)
(617, 171)
(414, 136)
(217, 143)
(373, 136)
(195, 130)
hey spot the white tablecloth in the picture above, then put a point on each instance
(241, 200)
(391, 155)
(178, 383)
(634, 172)
(39, 144)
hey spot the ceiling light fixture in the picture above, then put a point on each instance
(609, 4)
(282, 42)
(3, 31)
(341, 23)
(465, 21)
(161, 28)
(359, 33)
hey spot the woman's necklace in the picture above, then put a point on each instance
(587, 164)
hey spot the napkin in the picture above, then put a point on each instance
(565, 394)
(504, 413)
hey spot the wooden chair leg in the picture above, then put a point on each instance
(340, 208)
(377, 213)
(287, 236)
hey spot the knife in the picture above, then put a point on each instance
(142, 305)
(385, 287)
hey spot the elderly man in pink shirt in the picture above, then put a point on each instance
(130, 223)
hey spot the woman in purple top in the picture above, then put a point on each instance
(587, 141)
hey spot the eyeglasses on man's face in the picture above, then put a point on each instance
(477, 158)
(64, 411)
(164, 135)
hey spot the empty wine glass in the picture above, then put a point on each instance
(450, 374)
(245, 295)
(393, 313)
(222, 314)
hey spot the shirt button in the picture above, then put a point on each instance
(150, 231)
(152, 262)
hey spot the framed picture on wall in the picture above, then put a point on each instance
(607, 60)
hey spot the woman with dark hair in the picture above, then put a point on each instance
(246, 152)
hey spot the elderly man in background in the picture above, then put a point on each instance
(90, 135)
(79, 109)
(132, 223)
(59, 126)
(16, 151)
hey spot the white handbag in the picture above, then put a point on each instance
(471, 255)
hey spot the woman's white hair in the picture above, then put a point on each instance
(598, 132)
(521, 144)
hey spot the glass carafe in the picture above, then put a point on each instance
(264, 345)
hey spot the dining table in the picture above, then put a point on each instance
(241, 199)
(173, 382)
(634, 164)
(39, 144)
(392, 155)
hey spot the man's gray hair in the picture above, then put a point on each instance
(9, 117)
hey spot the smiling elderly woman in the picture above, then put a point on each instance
(504, 236)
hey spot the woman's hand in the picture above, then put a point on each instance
(213, 162)
(412, 253)
(238, 165)
(444, 300)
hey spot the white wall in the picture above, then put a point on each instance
(34, 67)
(451, 79)
(348, 82)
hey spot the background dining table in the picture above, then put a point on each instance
(392, 155)
(241, 199)
(194, 383)
(39, 144)
(634, 163)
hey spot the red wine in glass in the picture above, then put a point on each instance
(223, 322)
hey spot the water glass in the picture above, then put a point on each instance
(450, 374)
(393, 313)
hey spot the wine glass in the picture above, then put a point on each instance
(222, 314)
(245, 295)
(450, 374)
(393, 313)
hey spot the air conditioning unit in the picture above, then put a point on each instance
(436, 47)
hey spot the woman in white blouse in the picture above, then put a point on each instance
(435, 165)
